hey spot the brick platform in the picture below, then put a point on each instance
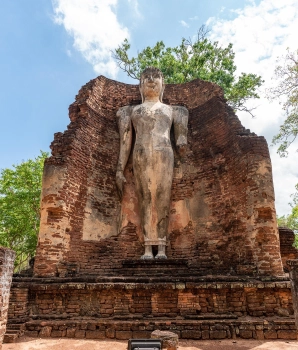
(208, 329)
(196, 308)
(155, 298)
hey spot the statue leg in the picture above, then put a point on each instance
(153, 172)
(142, 172)
(164, 179)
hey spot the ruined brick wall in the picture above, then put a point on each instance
(7, 257)
(18, 311)
(124, 330)
(203, 309)
(287, 251)
(222, 215)
(189, 300)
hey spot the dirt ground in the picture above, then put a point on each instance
(26, 343)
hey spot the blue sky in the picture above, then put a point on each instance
(49, 49)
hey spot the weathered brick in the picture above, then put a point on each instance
(123, 335)
(284, 334)
(95, 334)
(191, 334)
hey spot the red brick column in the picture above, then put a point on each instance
(7, 257)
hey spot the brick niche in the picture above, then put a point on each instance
(222, 220)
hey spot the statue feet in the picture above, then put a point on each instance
(147, 256)
(161, 252)
(148, 253)
(160, 256)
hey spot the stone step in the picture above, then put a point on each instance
(10, 338)
(154, 267)
(155, 273)
(13, 331)
(14, 326)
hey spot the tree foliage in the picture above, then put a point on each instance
(190, 60)
(20, 190)
(286, 90)
(290, 221)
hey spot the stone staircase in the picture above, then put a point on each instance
(154, 268)
(13, 331)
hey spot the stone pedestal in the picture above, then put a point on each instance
(7, 257)
(293, 264)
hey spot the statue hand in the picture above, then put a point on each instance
(181, 150)
(120, 180)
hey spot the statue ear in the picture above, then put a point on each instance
(141, 91)
(161, 93)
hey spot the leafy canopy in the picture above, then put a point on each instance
(201, 59)
(20, 190)
(290, 221)
(286, 90)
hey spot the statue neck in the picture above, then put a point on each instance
(151, 99)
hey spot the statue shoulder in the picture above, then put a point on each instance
(180, 110)
(124, 112)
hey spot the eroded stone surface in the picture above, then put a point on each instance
(293, 264)
(153, 156)
(169, 339)
(7, 257)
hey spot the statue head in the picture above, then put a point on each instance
(152, 77)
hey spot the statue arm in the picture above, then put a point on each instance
(180, 128)
(125, 131)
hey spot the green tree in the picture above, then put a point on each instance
(286, 90)
(190, 60)
(290, 221)
(20, 190)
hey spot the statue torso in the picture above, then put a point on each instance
(152, 123)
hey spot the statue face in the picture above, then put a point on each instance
(151, 84)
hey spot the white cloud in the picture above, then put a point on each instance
(260, 34)
(135, 7)
(184, 24)
(95, 30)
